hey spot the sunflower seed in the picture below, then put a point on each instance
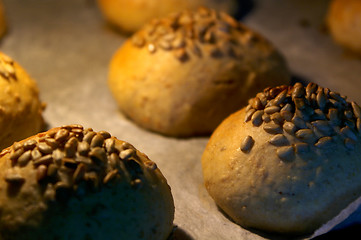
(277, 118)
(299, 123)
(356, 109)
(83, 148)
(321, 100)
(289, 127)
(323, 126)
(151, 48)
(305, 135)
(286, 153)
(337, 97)
(348, 133)
(35, 153)
(271, 109)
(266, 118)
(114, 160)
(138, 41)
(109, 145)
(24, 158)
(151, 165)
(79, 172)
(110, 176)
(52, 170)
(279, 140)
(16, 154)
(280, 98)
(71, 147)
(249, 114)
(57, 155)
(51, 142)
(272, 128)
(88, 137)
(98, 155)
(61, 135)
(247, 144)
(125, 154)
(97, 141)
(257, 118)
(324, 142)
(311, 88)
(30, 144)
(286, 115)
(44, 148)
(47, 159)
(257, 104)
(358, 125)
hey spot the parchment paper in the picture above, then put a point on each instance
(66, 47)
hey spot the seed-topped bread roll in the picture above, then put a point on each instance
(289, 161)
(182, 75)
(344, 23)
(75, 183)
(131, 15)
(20, 107)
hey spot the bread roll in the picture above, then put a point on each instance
(20, 106)
(288, 162)
(75, 183)
(182, 75)
(131, 15)
(344, 22)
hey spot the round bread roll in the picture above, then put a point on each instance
(75, 183)
(182, 75)
(131, 15)
(344, 22)
(288, 162)
(20, 107)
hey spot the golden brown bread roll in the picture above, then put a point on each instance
(131, 15)
(344, 23)
(20, 107)
(182, 75)
(75, 183)
(288, 162)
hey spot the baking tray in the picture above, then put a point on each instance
(66, 47)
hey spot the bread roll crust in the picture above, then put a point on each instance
(344, 22)
(20, 106)
(261, 185)
(106, 189)
(184, 83)
(131, 15)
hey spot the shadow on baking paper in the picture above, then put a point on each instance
(179, 234)
(264, 234)
(244, 8)
(352, 232)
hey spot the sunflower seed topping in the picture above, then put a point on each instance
(189, 31)
(68, 157)
(286, 153)
(279, 140)
(247, 144)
